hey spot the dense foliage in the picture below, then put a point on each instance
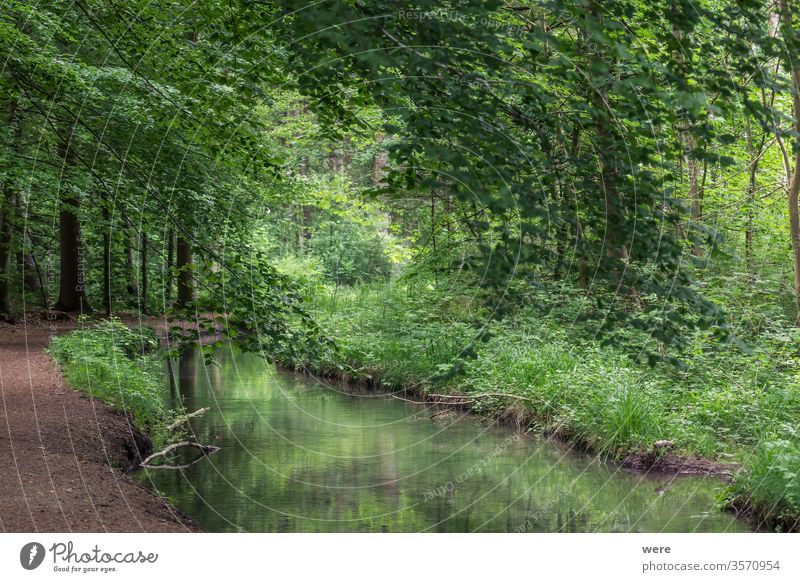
(593, 205)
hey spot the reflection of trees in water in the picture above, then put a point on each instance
(334, 462)
(182, 375)
(187, 374)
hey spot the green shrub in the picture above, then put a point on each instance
(770, 483)
(116, 364)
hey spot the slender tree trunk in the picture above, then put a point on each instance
(25, 258)
(7, 218)
(6, 237)
(568, 196)
(299, 239)
(6, 225)
(433, 222)
(29, 270)
(694, 195)
(170, 263)
(790, 34)
(750, 201)
(143, 265)
(130, 253)
(794, 227)
(305, 216)
(692, 166)
(185, 280)
(32, 267)
(378, 163)
(308, 218)
(106, 258)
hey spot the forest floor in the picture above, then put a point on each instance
(62, 455)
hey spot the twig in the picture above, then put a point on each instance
(204, 449)
(483, 395)
(463, 398)
(429, 402)
(183, 420)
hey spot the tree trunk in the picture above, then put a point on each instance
(308, 219)
(25, 258)
(143, 264)
(31, 271)
(170, 263)
(567, 197)
(694, 195)
(750, 201)
(72, 290)
(72, 296)
(7, 217)
(304, 220)
(787, 8)
(6, 222)
(185, 280)
(378, 163)
(106, 259)
(130, 252)
(608, 178)
(32, 277)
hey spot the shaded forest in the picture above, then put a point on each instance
(590, 206)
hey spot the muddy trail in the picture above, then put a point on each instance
(63, 456)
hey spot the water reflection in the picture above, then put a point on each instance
(300, 456)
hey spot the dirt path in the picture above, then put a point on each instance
(61, 453)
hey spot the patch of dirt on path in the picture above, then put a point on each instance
(61, 453)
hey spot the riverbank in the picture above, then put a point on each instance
(518, 418)
(548, 398)
(63, 455)
(301, 455)
(726, 413)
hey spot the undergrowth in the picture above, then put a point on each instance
(730, 403)
(117, 365)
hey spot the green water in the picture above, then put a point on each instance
(302, 456)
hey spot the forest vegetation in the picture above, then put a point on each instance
(581, 214)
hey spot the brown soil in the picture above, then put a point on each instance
(62, 455)
(672, 464)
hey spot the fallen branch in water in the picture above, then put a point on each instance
(481, 395)
(462, 398)
(184, 419)
(205, 450)
(429, 402)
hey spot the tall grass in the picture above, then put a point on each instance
(115, 364)
(770, 487)
(726, 404)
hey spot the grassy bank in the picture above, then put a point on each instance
(731, 406)
(117, 365)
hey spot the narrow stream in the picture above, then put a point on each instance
(301, 456)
